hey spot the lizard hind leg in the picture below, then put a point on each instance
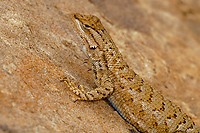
(96, 94)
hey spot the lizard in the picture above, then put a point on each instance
(133, 98)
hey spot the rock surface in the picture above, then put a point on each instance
(159, 40)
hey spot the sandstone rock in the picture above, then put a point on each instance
(159, 40)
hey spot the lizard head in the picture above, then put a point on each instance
(89, 21)
(90, 30)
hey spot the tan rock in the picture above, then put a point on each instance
(159, 40)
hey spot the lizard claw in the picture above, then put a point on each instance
(86, 60)
(63, 79)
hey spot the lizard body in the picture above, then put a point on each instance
(134, 99)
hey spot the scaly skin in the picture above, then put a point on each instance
(135, 100)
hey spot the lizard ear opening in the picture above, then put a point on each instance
(93, 47)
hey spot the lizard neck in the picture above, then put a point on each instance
(113, 61)
(113, 57)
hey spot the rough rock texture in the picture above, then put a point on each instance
(159, 40)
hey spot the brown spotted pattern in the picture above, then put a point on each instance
(135, 100)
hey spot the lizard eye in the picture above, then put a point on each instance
(87, 26)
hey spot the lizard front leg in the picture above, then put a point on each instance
(97, 94)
